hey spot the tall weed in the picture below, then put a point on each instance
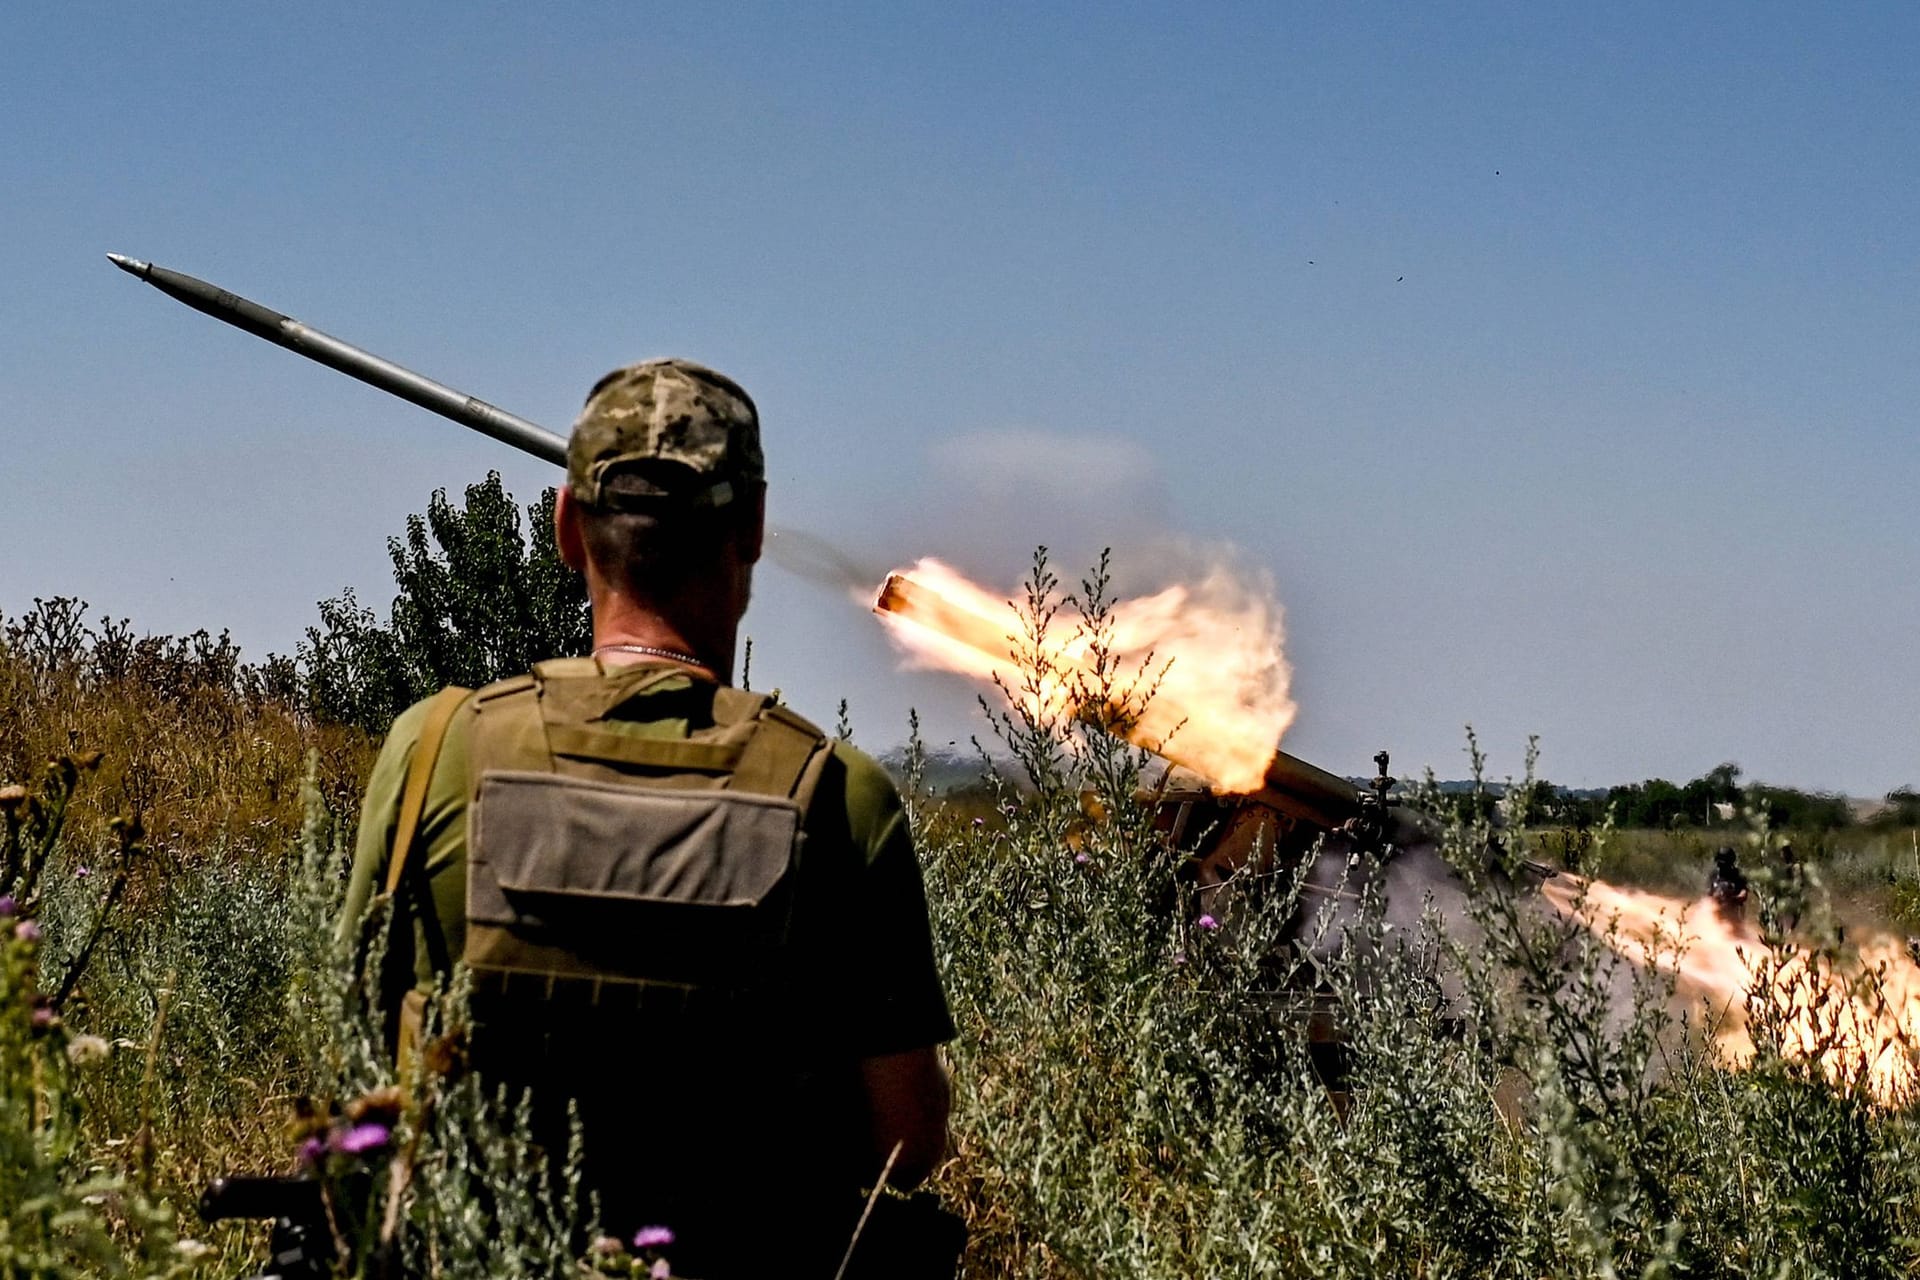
(1144, 1087)
(1137, 1094)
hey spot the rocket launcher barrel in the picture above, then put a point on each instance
(285, 331)
(1292, 785)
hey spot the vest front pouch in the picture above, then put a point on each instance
(622, 888)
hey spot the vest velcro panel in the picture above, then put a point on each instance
(603, 857)
(633, 883)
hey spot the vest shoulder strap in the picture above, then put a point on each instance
(507, 729)
(566, 668)
(413, 795)
(783, 756)
(761, 748)
(733, 706)
(504, 688)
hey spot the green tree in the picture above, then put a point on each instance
(1802, 810)
(1719, 785)
(1902, 808)
(482, 596)
(1653, 803)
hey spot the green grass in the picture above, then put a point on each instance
(1136, 1095)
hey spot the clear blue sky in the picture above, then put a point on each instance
(1561, 362)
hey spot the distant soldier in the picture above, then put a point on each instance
(684, 909)
(1727, 885)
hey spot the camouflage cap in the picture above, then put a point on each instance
(670, 418)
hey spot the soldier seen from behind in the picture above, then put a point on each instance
(684, 908)
(1727, 885)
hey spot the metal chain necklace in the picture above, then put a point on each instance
(647, 650)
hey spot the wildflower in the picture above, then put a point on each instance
(27, 931)
(43, 1017)
(653, 1238)
(192, 1250)
(7, 905)
(81, 873)
(313, 1151)
(1207, 924)
(85, 1051)
(360, 1139)
(660, 1271)
(979, 822)
(380, 1107)
(1081, 859)
(1179, 958)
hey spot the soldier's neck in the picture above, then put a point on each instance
(621, 620)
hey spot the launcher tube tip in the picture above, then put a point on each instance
(132, 266)
(892, 592)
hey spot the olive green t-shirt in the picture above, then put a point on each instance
(861, 955)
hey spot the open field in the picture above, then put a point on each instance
(1872, 873)
(1129, 1104)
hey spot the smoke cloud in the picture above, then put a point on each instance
(811, 557)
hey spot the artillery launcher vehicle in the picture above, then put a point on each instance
(1343, 840)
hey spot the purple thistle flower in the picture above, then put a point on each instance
(362, 1138)
(81, 873)
(1208, 923)
(7, 904)
(43, 1016)
(313, 1151)
(27, 931)
(1179, 958)
(660, 1271)
(1081, 859)
(653, 1237)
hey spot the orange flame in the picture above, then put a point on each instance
(1830, 1019)
(1214, 645)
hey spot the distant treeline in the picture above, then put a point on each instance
(1714, 798)
(481, 594)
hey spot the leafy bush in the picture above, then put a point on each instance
(1901, 809)
(480, 598)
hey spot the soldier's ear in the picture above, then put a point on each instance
(753, 530)
(567, 534)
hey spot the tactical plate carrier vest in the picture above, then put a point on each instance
(628, 904)
(614, 870)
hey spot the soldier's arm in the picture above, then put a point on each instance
(379, 810)
(908, 1098)
(899, 1012)
(373, 843)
